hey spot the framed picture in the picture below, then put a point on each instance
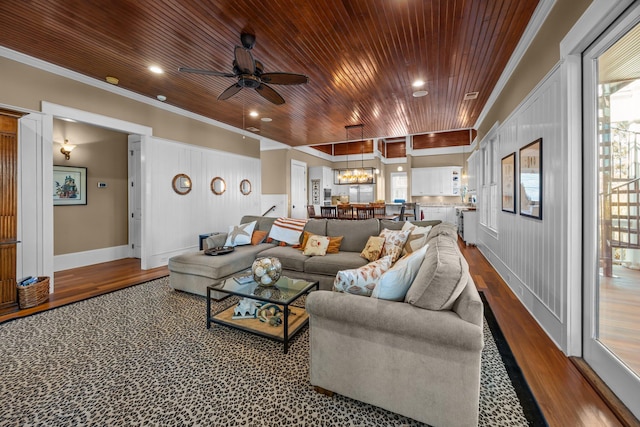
(509, 183)
(531, 179)
(69, 185)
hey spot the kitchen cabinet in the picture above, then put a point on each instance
(443, 213)
(439, 181)
(320, 185)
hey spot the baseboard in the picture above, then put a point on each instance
(617, 407)
(96, 256)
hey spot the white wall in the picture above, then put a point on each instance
(173, 222)
(531, 254)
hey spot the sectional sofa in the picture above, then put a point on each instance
(193, 272)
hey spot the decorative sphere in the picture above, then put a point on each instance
(266, 271)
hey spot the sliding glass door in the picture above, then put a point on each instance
(611, 341)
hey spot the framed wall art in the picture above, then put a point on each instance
(509, 183)
(69, 185)
(531, 179)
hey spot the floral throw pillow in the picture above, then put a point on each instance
(394, 241)
(373, 248)
(363, 280)
(316, 245)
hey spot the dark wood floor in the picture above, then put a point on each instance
(564, 395)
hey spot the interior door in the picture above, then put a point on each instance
(8, 209)
(611, 328)
(298, 189)
(135, 196)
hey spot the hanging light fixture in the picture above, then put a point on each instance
(356, 175)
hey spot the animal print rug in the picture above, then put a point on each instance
(143, 356)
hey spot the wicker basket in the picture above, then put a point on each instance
(34, 294)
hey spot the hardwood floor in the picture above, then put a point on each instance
(564, 395)
(86, 282)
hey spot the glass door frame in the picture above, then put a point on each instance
(620, 379)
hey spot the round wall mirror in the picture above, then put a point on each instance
(245, 186)
(181, 183)
(218, 186)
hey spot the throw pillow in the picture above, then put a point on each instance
(373, 248)
(363, 280)
(394, 241)
(316, 245)
(287, 230)
(442, 277)
(393, 284)
(258, 237)
(417, 238)
(334, 243)
(240, 234)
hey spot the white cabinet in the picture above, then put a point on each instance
(469, 225)
(320, 184)
(440, 181)
(443, 213)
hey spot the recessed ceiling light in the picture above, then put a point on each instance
(418, 83)
(470, 95)
(161, 98)
(419, 93)
(112, 80)
(253, 129)
(266, 119)
(399, 168)
(156, 69)
(253, 114)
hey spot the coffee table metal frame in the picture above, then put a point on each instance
(243, 292)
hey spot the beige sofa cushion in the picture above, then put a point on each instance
(444, 228)
(442, 276)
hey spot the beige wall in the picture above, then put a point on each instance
(103, 221)
(25, 86)
(543, 54)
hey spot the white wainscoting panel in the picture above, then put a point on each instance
(531, 254)
(177, 220)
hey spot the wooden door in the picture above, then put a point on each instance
(8, 210)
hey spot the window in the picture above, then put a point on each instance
(489, 199)
(398, 185)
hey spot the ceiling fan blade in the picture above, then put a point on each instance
(284, 78)
(269, 94)
(207, 72)
(244, 60)
(229, 92)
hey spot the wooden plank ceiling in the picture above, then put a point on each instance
(361, 57)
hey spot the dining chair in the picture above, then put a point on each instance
(311, 211)
(365, 212)
(345, 211)
(328, 212)
(409, 211)
(379, 209)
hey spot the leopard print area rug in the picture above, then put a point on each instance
(143, 356)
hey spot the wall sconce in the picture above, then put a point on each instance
(66, 149)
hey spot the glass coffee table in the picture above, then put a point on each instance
(282, 295)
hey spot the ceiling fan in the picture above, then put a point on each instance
(249, 73)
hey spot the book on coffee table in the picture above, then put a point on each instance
(244, 278)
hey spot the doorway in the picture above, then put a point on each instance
(298, 189)
(611, 325)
